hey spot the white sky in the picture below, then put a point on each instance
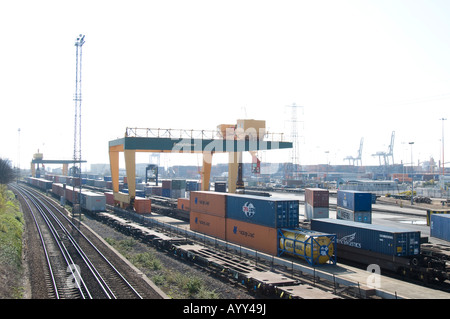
(359, 68)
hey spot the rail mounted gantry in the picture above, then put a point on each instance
(234, 139)
(38, 158)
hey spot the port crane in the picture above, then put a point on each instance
(388, 154)
(358, 157)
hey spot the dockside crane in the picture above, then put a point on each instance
(358, 157)
(389, 153)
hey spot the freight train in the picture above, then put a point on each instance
(236, 219)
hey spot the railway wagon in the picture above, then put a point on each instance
(392, 248)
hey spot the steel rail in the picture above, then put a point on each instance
(108, 291)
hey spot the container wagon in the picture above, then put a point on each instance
(393, 249)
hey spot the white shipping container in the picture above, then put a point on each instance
(316, 212)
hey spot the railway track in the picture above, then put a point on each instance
(76, 268)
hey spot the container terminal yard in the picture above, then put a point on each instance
(296, 243)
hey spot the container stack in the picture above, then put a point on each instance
(175, 188)
(251, 221)
(166, 188)
(178, 188)
(208, 213)
(354, 206)
(317, 203)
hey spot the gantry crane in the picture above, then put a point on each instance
(358, 157)
(389, 153)
(245, 136)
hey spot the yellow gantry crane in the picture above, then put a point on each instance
(246, 135)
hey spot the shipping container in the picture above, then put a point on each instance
(440, 226)
(178, 184)
(93, 202)
(207, 224)
(265, 211)
(354, 200)
(184, 204)
(376, 238)
(317, 197)
(316, 212)
(142, 205)
(212, 203)
(192, 186)
(358, 216)
(431, 212)
(177, 193)
(109, 197)
(261, 238)
(220, 187)
(166, 184)
(312, 246)
(166, 192)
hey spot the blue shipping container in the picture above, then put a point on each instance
(382, 239)
(264, 211)
(354, 200)
(166, 192)
(440, 226)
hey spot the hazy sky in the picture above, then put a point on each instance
(359, 68)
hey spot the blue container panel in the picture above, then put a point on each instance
(166, 192)
(385, 240)
(263, 211)
(354, 200)
(440, 226)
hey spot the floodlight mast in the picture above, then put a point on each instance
(77, 125)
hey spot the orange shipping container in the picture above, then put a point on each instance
(208, 224)
(260, 238)
(109, 198)
(184, 204)
(212, 203)
(142, 205)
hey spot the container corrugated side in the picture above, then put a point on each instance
(257, 237)
(142, 205)
(265, 211)
(354, 200)
(358, 216)
(184, 204)
(109, 196)
(317, 197)
(440, 226)
(385, 240)
(93, 201)
(316, 212)
(208, 224)
(212, 203)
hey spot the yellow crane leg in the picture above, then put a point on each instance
(234, 158)
(65, 169)
(130, 166)
(206, 170)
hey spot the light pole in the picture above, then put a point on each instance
(412, 175)
(443, 162)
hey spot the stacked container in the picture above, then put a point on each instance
(253, 221)
(258, 223)
(317, 203)
(354, 206)
(178, 188)
(208, 213)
